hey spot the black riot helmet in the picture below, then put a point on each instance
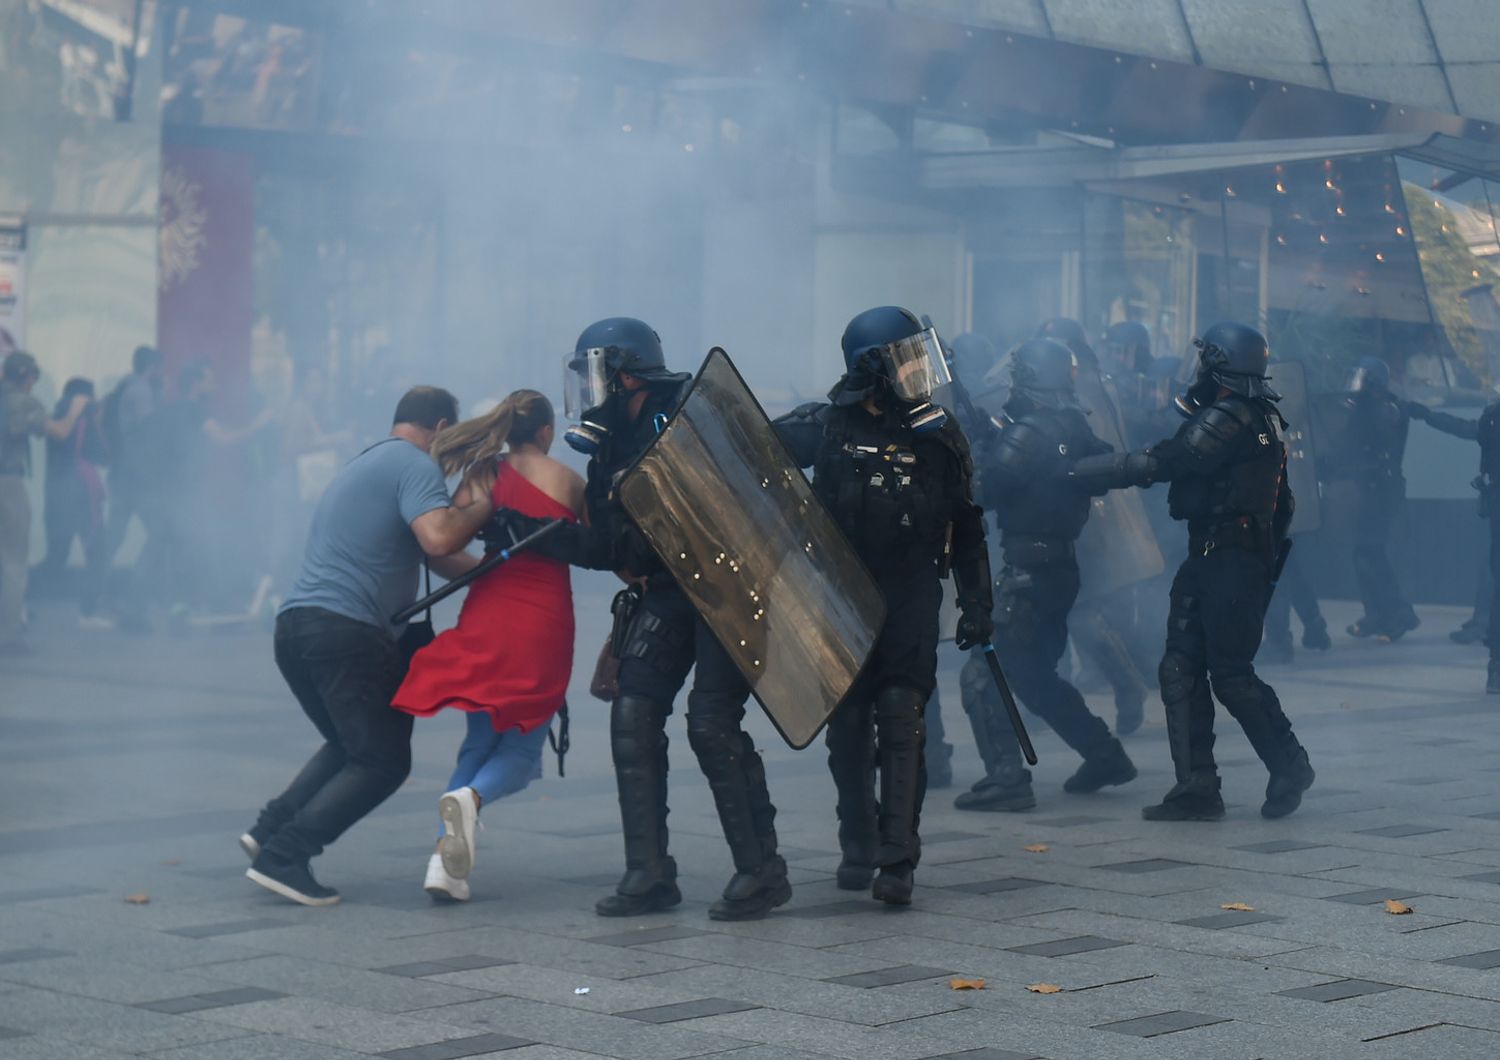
(1071, 334)
(1129, 342)
(1371, 376)
(889, 354)
(1233, 356)
(1041, 370)
(591, 373)
(971, 355)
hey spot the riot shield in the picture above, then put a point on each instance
(1117, 547)
(1289, 379)
(737, 524)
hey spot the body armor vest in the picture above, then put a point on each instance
(1245, 485)
(885, 488)
(1031, 494)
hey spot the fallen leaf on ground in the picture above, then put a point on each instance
(1036, 848)
(138, 899)
(1045, 988)
(1396, 908)
(965, 984)
(1238, 907)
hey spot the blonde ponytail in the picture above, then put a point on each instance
(515, 421)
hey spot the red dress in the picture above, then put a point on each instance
(511, 653)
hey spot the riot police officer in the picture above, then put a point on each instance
(1227, 467)
(619, 390)
(894, 472)
(1040, 512)
(1485, 431)
(1374, 448)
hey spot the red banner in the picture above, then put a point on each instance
(204, 302)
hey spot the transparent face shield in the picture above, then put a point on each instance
(585, 382)
(916, 366)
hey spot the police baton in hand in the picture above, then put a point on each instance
(1009, 700)
(489, 563)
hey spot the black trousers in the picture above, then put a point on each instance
(1378, 507)
(1031, 634)
(69, 513)
(1218, 607)
(344, 673)
(880, 730)
(666, 640)
(1294, 592)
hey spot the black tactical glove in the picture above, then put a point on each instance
(975, 627)
(1416, 410)
(507, 526)
(571, 543)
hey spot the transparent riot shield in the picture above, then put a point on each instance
(1289, 379)
(1117, 547)
(737, 524)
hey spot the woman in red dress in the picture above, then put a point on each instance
(508, 660)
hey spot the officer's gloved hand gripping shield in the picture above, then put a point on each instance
(739, 528)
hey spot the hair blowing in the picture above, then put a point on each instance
(515, 421)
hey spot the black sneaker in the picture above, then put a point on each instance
(1365, 627)
(1106, 769)
(894, 884)
(1284, 789)
(751, 895)
(1469, 633)
(1315, 637)
(1401, 625)
(293, 881)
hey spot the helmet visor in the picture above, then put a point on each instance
(585, 382)
(916, 366)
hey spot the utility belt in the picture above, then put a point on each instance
(1032, 550)
(1243, 532)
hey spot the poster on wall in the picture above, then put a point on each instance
(12, 285)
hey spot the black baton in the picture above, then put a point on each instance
(489, 563)
(1009, 700)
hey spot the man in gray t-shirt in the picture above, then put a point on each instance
(383, 513)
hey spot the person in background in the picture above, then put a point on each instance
(22, 417)
(74, 503)
(127, 412)
(508, 660)
(336, 648)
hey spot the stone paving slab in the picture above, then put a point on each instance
(1407, 806)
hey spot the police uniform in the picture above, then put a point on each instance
(1040, 511)
(1375, 447)
(1227, 469)
(659, 639)
(901, 492)
(1485, 431)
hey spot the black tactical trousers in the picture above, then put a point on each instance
(1378, 508)
(1218, 606)
(1293, 592)
(880, 729)
(665, 639)
(1493, 639)
(1031, 633)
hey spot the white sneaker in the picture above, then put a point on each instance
(460, 813)
(249, 846)
(96, 624)
(441, 886)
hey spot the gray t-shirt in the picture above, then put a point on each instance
(362, 559)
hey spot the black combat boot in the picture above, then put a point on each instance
(1315, 635)
(1471, 632)
(1284, 789)
(851, 761)
(894, 884)
(638, 741)
(1194, 799)
(1400, 624)
(1006, 791)
(1106, 767)
(751, 895)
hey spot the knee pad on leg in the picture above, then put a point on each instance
(636, 729)
(1180, 677)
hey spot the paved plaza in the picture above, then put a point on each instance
(130, 766)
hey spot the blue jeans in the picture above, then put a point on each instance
(496, 764)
